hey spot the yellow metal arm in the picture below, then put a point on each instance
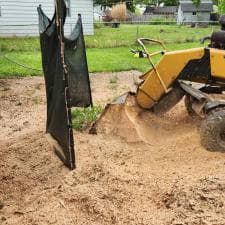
(158, 80)
(140, 41)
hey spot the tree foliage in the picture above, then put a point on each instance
(196, 2)
(221, 6)
(132, 3)
(171, 2)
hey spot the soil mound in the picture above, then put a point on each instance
(196, 204)
(126, 119)
(170, 180)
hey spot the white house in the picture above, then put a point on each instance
(20, 18)
(187, 12)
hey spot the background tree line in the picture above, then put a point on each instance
(131, 4)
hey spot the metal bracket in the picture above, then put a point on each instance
(197, 94)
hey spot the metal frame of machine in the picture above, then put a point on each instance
(194, 73)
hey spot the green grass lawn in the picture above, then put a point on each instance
(107, 50)
(99, 60)
(127, 35)
(124, 36)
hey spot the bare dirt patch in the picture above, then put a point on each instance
(168, 179)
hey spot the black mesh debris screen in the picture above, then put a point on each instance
(66, 77)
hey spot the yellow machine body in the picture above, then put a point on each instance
(158, 81)
(217, 61)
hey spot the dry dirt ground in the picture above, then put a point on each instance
(168, 179)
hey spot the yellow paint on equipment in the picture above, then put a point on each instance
(168, 68)
(217, 61)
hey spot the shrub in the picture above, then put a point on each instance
(119, 11)
(83, 117)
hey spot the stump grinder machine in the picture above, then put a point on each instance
(194, 73)
(198, 74)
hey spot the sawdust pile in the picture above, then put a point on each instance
(138, 169)
(124, 118)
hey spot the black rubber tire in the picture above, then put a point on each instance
(212, 131)
(188, 104)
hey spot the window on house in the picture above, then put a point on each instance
(68, 8)
(194, 13)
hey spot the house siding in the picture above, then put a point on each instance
(200, 16)
(20, 18)
(186, 9)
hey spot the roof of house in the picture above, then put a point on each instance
(203, 7)
(161, 10)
